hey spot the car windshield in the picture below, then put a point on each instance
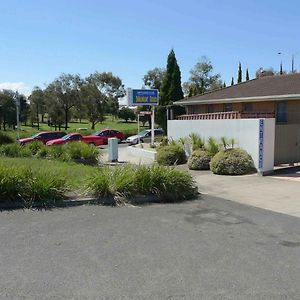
(35, 135)
(99, 133)
(66, 137)
(142, 133)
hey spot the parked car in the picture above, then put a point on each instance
(110, 133)
(144, 136)
(75, 137)
(43, 137)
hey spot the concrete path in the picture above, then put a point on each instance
(279, 193)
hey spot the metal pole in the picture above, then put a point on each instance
(152, 125)
(138, 128)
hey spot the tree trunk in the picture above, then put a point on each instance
(93, 125)
(42, 118)
(66, 118)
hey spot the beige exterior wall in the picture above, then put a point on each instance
(293, 112)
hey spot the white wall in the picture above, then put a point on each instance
(246, 133)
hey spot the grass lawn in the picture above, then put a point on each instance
(75, 174)
(120, 125)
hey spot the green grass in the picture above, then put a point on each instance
(120, 125)
(75, 174)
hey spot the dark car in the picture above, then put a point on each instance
(110, 133)
(43, 137)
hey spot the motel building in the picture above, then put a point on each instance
(262, 115)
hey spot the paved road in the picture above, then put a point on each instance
(205, 249)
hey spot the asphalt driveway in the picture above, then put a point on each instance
(205, 249)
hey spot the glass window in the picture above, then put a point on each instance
(228, 107)
(281, 112)
(247, 107)
(210, 108)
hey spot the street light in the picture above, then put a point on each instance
(293, 59)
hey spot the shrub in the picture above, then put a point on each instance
(14, 150)
(199, 160)
(168, 184)
(34, 147)
(5, 139)
(212, 147)
(232, 162)
(24, 185)
(79, 150)
(171, 155)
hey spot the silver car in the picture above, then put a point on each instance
(144, 136)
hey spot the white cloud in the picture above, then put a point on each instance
(21, 87)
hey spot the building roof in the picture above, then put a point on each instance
(279, 87)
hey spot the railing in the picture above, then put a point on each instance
(227, 115)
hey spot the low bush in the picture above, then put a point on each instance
(79, 150)
(170, 155)
(23, 185)
(199, 160)
(14, 150)
(232, 162)
(34, 147)
(168, 184)
(5, 139)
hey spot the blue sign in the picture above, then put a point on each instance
(144, 97)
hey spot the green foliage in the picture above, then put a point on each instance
(14, 150)
(202, 78)
(199, 160)
(247, 74)
(126, 113)
(212, 147)
(34, 147)
(240, 75)
(23, 185)
(170, 155)
(168, 184)
(232, 81)
(232, 162)
(79, 150)
(153, 78)
(197, 141)
(227, 143)
(5, 139)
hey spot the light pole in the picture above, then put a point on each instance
(17, 100)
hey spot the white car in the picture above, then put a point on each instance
(144, 136)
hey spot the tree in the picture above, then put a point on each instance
(7, 109)
(37, 103)
(126, 113)
(154, 77)
(247, 75)
(24, 109)
(95, 102)
(202, 78)
(65, 90)
(240, 74)
(281, 71)
(232, 81)
(261, 72)
(224, 84)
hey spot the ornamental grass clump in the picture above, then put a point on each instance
(232, 162)
(126, 182)
(5, 139)
(23, 185)
(14, 150)
(79, 150)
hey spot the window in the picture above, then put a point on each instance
(228, 107)
(210, 108)
(247, 107)
(281, 112)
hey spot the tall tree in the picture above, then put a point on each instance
(170, 90)
(232, 81)
(224, 84)
(240, 74)
(7, 109)
(247, 75)
(66, 91)
(202, 78)
(153, 78)
(281, 71)
(37, 103)
(95, 102)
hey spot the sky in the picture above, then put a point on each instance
(41, 39)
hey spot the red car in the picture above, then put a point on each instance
(75, 137)
(43, 137)
(110, 133)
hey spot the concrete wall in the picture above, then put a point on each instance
(256, 136)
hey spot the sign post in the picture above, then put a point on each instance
(144, 97)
